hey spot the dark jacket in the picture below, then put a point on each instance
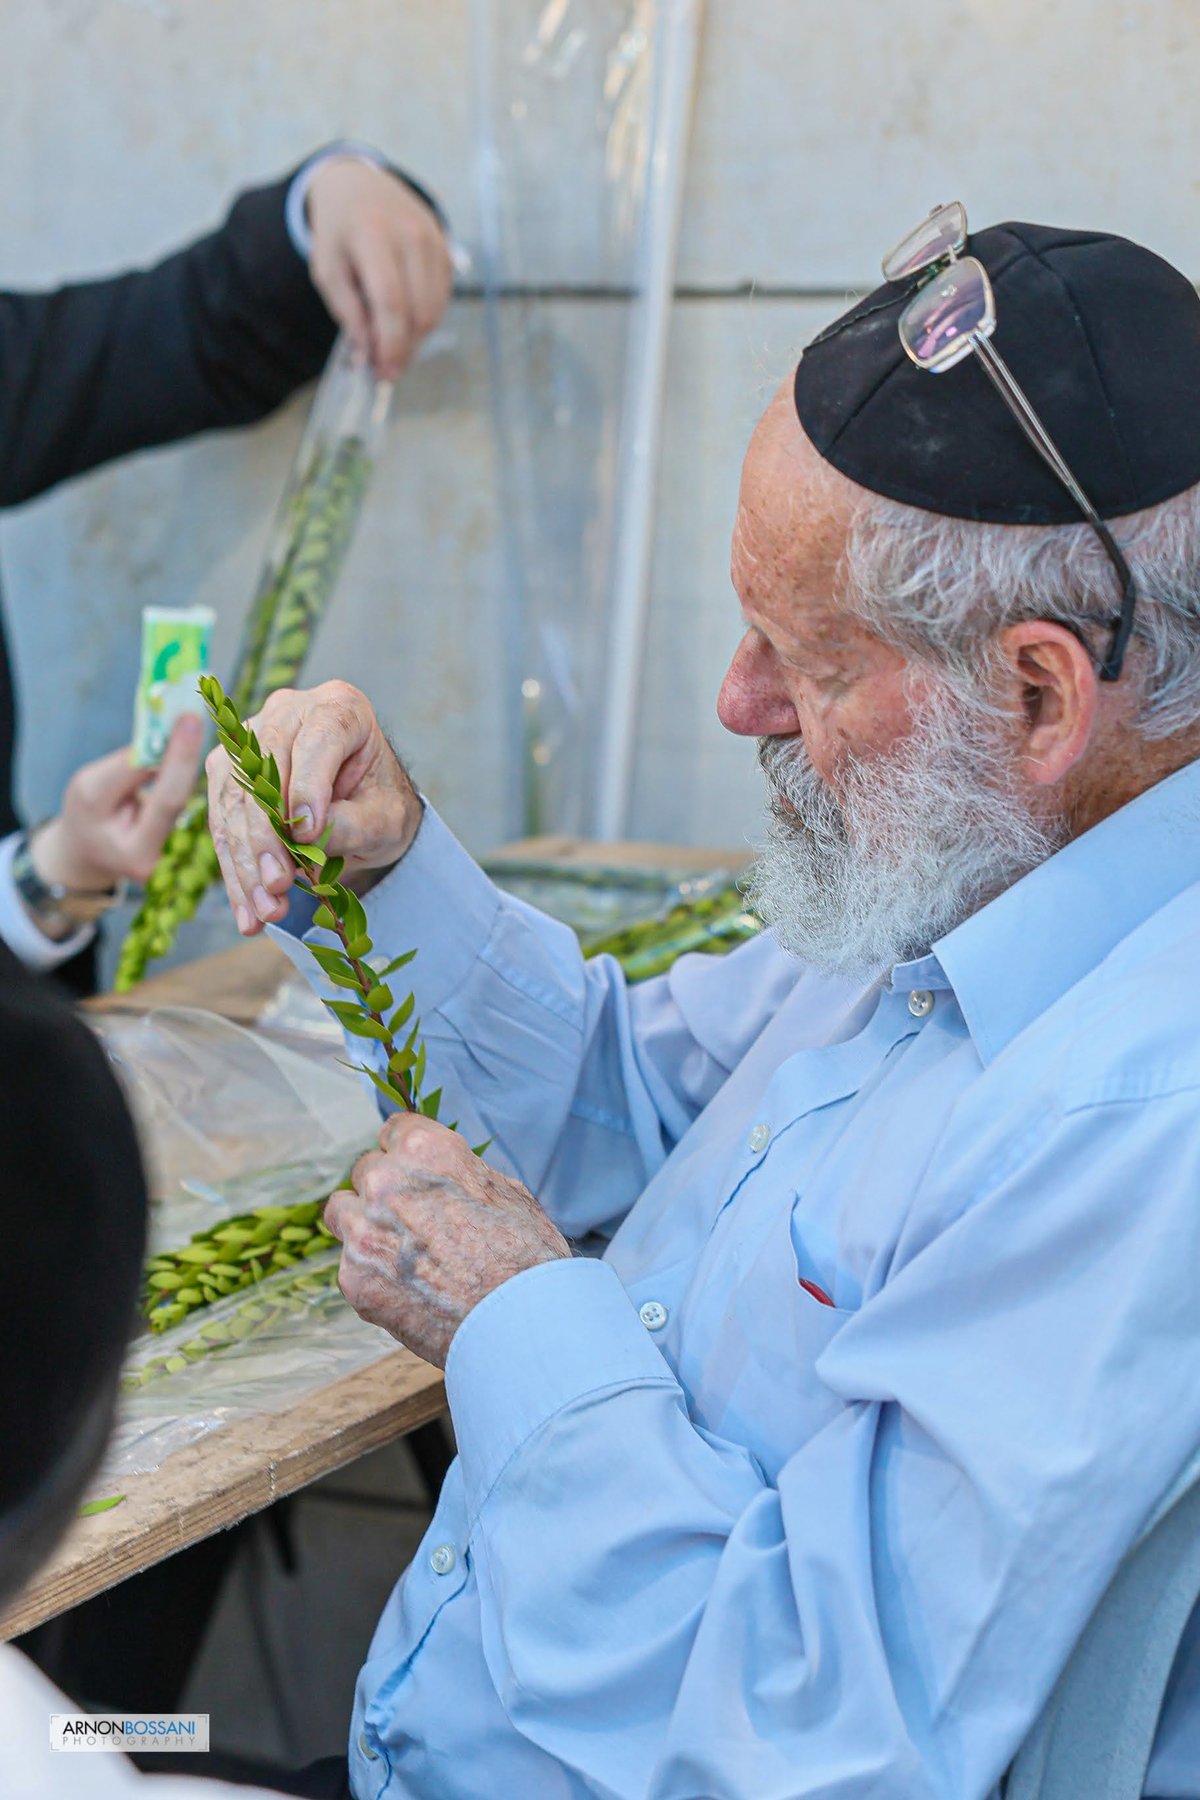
(219, 334)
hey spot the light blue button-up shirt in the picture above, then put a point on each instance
(708, 1534)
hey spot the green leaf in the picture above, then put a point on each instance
(370, 1028)
(385, 1087)
(418, 1074)
(402, 1014)
(480, 1149)
(273, 772)
(358, 946)
(397, 962)
(431, 1103)
(324, 918)
(323, 840)
(401, 1061)
(353, 1020)
(334, 965)
(228, 721)
(298, 852)
(355, 915)
(344, 1011)
(379, 998)
(333, 864)
(90, 1507)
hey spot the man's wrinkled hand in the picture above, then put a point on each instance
(428, 1230)
(335, 765)
(379, 260)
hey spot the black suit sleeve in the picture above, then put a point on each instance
(218, 334)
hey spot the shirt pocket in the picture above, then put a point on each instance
(763, 1388)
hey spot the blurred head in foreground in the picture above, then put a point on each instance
(73, 1221)
(928, 662)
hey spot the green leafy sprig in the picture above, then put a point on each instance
(370, 1010)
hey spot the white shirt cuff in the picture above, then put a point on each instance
(295, 212)
(18, 930)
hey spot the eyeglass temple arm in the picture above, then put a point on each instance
(1011, 392)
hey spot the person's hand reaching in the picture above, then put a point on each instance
(379, 260)
(115, 818)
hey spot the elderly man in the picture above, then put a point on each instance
(808, 1486)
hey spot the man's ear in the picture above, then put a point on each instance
(1054, 693)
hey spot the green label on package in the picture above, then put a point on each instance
(175, 641)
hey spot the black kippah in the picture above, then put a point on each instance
(1103, 336)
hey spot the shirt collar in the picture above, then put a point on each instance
(1016, 956)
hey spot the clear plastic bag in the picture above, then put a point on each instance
(545, 73)
(313, 527)
(230, 1121)
(257, 1351)
(595, 897)
(217, 1105)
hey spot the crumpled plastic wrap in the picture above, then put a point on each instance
(229, 1121)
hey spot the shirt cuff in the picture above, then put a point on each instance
(295, 208)
(536, 1345)
(18, 930)
(296, 204)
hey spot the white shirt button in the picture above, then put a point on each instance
(760, 1137)
(367, 1747)
(443, 1559)
(653, 1314)
(920, 1003)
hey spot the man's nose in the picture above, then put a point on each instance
(753, 702)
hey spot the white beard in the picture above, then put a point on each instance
(910, 846)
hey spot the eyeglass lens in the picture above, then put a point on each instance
(942, 234)
(937, 323)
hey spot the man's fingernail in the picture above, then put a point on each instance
(269, 867)
(304, 821)
(264, 905)
(244, 922)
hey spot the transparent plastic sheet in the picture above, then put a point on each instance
(257, 1351)
(559, 259)
(230, 1121)
(594, 899)
(227, 1119)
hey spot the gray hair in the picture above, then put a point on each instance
(941, 588)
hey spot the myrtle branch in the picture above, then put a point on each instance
(339, 911)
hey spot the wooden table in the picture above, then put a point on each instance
(243, 1467)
